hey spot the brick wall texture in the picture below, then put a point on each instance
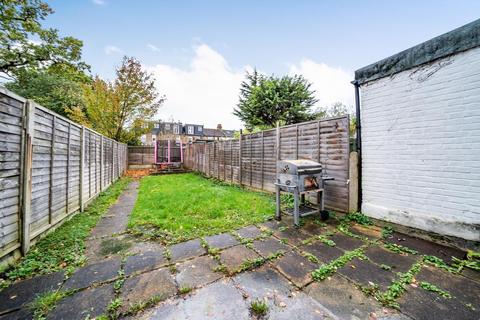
(421, 146)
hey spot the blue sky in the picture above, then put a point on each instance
(199, 50)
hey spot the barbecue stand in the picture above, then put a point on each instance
(301, 177)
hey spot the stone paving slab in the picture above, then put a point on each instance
(234, 257)
(426, 305)
(314, 229)
(93, 273)
(461, 288)
(292, 235)
(158, 283)
(300, 307)
(221, 241)
(140, 247)
(266, 247)
(219, 301)
(264, 283)
(370, 232)
(323, 252)
(25, 291)
(345, 301)
(86, 304)
(22, 314)
(345, 242)
(426, 247)
(296, 268)
(249, 232)
(471, 274)
(144, 262)
(398, 262)
(365, 273)
(197, 272)
(272, 225)
(186, 250)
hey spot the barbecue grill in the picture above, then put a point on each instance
(301, 177)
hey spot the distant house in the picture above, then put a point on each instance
(188, 132)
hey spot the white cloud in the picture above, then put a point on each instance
(207, 91)
(99, 2)
(112, 49)
(331, 84)
(152, 47)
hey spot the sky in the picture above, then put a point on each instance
(199, 51)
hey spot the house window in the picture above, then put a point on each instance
(156, 125)
(200, 129)
(167, 126)
(190, 129)
(175, 129)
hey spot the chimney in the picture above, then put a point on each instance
(219, 126)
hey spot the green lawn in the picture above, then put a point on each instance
(175, 208)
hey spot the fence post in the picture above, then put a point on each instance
(82, 165)
(68, 167)
(251, 158)
(50, 188)
(263, 154)
(113, 161)
(240, 159)
(27, 176)
(278, 141)
(102, 178)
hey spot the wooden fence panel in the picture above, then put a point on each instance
(44, 159)
(251, 159)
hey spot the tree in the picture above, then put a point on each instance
(337, 109)
(266, 100)
(25, 44)
(123, 108)
(57, 87)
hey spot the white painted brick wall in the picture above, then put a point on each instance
(421, 147)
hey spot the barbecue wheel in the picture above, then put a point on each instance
(324, 214)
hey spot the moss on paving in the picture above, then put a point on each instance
(176, 208)
(64, 247)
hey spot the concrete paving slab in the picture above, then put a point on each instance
(418, 303)
(398, 262)
(197, 272)
(462, 288)
(145, 246)
(272, 225)
(264, 283)
(94, 273)
(296, 268)
(221, 241)
(249, 232)
(266, 247)
(345, 242)
(370, 232)
(25, 291)
(323, 252)
(300, 307)
(22, 314)
(314, 229)
(343, 300)
(365, 273)
(426, 247)
(219, 301)
(86, 304)
(292, 235)
(144, 262)
(471, 274)
(158, 283)
(186, 250)
(234, 257)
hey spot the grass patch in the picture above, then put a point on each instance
(176, 208)
(433, 288)
(64, 247)
(185, 289)
(359, 218)
(396, 248)
(259, 308)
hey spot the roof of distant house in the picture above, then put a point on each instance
(218, 133)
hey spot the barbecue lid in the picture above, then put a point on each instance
(301, 164)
